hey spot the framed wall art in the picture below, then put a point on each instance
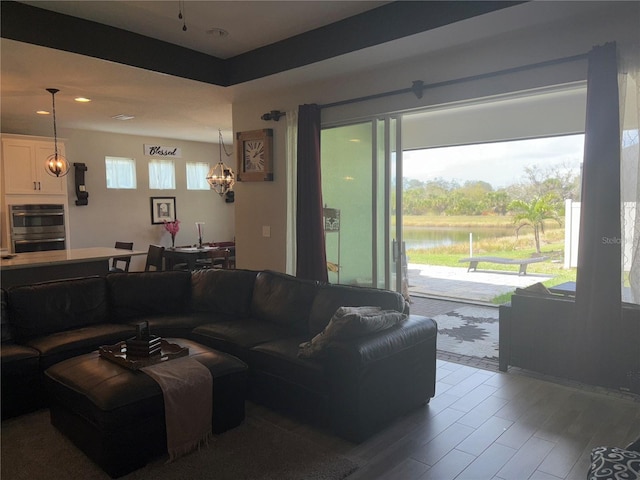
(163, 209)
(254, 152)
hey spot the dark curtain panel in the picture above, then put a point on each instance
(311, 262)
(598, 297)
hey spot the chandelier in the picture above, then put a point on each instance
(56, 165)
(221, 178)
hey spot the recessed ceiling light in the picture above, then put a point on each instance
(123, 116)
(217, 32)
(82, 99)
(43, 112)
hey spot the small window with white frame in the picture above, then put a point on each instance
(120, 172)
(162, 174)
(196, 176)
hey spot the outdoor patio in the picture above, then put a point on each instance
(459, 301)
(455, 283)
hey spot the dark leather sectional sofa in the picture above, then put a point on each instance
(355, 388)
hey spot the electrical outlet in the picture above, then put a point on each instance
(266, 230)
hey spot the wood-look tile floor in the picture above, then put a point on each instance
(491, 425)
(484, 424)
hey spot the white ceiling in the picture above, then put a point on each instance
(171, 107)
(163, 105)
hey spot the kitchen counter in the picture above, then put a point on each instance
(32, 267)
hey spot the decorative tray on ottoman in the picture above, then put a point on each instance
(143, 347)
(118, 353)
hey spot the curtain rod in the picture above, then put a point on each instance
(419, 86)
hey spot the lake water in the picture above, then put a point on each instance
(429, 237)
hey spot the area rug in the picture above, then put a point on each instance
(470, 330)
(256, 450)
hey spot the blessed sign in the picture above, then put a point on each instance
(160, 151)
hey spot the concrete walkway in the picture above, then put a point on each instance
(455, 283)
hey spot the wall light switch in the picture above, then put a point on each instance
(266, 230)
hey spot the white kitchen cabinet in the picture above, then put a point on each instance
(23, 162)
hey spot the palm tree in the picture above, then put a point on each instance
(533, 214)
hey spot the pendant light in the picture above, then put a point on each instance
(221, 178)
(56, 165)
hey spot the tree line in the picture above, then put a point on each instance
(539, 197)
(449, 197)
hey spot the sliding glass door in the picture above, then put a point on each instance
(359, 168)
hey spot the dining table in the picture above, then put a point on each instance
(186, 255)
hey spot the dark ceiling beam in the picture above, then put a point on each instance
(38, 26)
(389, 22)
(383, 24)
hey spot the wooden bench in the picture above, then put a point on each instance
(523, 262)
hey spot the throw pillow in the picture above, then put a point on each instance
(537, 289)
(350, 322)
(612, 462)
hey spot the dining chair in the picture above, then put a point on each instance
(220, 258)
(181, 265)
(155, 257)
(216, 258)
(231, 246)
(125, 260)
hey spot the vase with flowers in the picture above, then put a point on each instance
(173, 228)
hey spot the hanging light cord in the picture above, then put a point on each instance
(53, 92)
(181, 16)
(222, 145)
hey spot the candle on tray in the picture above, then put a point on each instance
(199, 229)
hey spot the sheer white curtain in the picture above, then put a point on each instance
(162, 174)
(629, 88)
(120, 172)
(197, 176)
(292, 160)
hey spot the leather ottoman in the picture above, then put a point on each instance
(116, 415)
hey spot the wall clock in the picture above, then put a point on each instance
(254, 150)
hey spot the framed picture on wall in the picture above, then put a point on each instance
(163, 209)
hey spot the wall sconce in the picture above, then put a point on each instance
(81, 189)
(221, 178)
(56, 165)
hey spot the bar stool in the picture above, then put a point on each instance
(125, 260)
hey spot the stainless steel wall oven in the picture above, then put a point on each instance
(36, 228)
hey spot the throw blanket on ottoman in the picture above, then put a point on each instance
(187, 387)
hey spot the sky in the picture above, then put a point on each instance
(499, 164)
